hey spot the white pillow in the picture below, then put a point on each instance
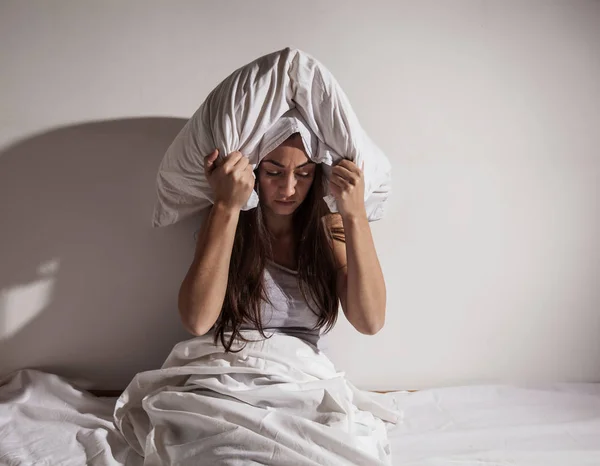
(255, 109)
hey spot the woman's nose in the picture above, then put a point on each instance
(288, 187)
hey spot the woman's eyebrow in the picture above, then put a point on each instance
(283, 166)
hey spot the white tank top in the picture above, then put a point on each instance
(287, 311)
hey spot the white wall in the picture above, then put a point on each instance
(489, 112)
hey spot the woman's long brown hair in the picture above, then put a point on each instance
(317, 270)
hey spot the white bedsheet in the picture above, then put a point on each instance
(276, 401)
(45, 420)
(551, 425)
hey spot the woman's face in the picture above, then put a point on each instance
(285, 176)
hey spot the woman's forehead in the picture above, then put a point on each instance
(287, 154)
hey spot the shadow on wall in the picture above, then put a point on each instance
(88, 288)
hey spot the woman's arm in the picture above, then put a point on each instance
(361, 286)
(203, 289)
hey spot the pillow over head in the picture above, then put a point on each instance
(253, 111)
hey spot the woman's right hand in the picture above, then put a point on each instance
(232, 181)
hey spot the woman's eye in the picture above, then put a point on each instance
(300, 175)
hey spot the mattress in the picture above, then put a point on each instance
(45, 419)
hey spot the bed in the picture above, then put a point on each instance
(45, 419)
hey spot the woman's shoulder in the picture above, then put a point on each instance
(333, 220)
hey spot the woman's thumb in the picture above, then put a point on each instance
(209, 160)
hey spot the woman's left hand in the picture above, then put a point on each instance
(347, 185)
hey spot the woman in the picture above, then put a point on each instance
(283, 266)
(241, 396)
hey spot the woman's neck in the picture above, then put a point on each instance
(279, 226)
(283, 240)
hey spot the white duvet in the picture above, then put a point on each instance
(277, 401)
(45, 420)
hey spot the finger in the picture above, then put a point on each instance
(362, 166)
(240, 171)
(338, 181)
(334, 188)
(242, 163)
(345, 174)
(349, 165)
(209, 160)
(342, 171)
(249, 172)
(231, 160)
(250, 169)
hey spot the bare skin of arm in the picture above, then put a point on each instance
(202, 291)
(360, 282)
